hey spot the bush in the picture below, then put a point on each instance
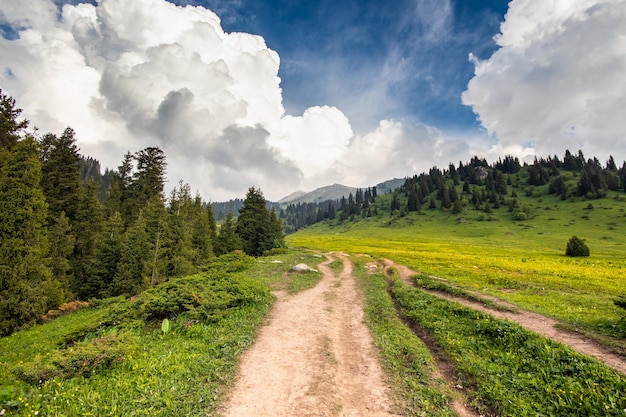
(81, 359)
(207, 296)
(576, 247)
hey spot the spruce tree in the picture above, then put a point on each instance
(227, 239)
(27, 288)
(61, 167)
(255, 226)
(133, 268)
(62, 242)
(107, 258)
(202, 231)
(11, 129)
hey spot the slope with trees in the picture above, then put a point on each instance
(68, 232)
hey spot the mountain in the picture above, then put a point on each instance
(329, 192)
(296, 196)
(389, 186)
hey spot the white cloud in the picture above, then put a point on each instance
(130, 74)
(557, 81)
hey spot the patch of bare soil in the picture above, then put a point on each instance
(534, 322)
(315, 357)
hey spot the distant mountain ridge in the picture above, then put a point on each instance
(329, 192)
(319, 195)
(335, 192)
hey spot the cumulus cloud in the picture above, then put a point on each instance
(557, 81)
(126, 75)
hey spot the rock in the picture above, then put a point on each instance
(276, 261)
(303, 268)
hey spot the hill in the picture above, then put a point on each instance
(329, 192)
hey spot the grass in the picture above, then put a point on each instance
(511, 371)
(405, 357)
(275, 271)
(520, 262)
(113, 358)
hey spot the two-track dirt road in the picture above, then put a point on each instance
(315, 357)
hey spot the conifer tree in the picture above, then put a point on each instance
(256, 227)
(87, 224)
(11, 129)
(227, 239)
(132, 275)
(203, 230)
(177, 242)
(107, 258)
(62, 242)
(27, 288)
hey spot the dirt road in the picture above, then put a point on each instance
(534, 322)
(315, 357)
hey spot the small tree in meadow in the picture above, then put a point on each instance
(576, 247)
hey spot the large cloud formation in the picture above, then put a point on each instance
(130, 74)
(558, 80)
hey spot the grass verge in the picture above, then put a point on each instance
(512, 371)
(405, 358)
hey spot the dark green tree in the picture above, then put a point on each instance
(203, 230)
(87, 224)
(227, 239)
(27, 288)
(62, 242)
(576, 247)
(255, 226)
(107, 258)
(149, 178)
(11, 129)
(177, 242)
(132, 275)
(61, 167)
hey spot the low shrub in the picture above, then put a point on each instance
(576, 247)
(229, 262)
(81, 359)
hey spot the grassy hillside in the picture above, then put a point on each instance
(114, 358)
(521, 261)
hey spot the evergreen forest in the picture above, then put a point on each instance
(69, 232)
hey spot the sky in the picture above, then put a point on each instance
(288, 95)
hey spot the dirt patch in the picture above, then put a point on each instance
(315, 357)
(534, 322)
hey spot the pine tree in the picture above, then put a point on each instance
(149, 178)
(156, 222)
(256, 227)
(107, 258)
(132, 275)
(203, 231)
(227, 240)
(62, 242)
(10, 128)
(27, 288)
(87, 224)
(177, 242)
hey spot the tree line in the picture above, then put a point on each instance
(473, 185)
(68, 232)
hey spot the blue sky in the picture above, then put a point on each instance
(426, 46)
(286, 95)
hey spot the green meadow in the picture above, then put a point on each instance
(522, 262)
